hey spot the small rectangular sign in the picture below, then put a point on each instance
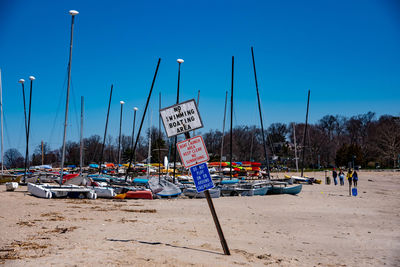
(181, 118)
(193, 151)
(202, 178)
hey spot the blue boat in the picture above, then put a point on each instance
(142, 181)
(233, 181)
(283, 188)
(262, 191)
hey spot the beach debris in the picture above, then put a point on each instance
(141, 210)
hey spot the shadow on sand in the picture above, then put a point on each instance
(160, 243)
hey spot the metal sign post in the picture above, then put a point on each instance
(181, 119)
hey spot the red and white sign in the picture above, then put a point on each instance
(193, 151)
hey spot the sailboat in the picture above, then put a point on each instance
(159, 185)
(275, 187)
(50, 191)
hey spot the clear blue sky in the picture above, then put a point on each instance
(346, 52)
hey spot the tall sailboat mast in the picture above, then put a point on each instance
(2, 140)
(261, 119)
(305, 135)
(73, 13)
(149, 148)
(119, 138)
(159, 140)
(295, 147)
(231, 139)
(223, 131)
(105, 131)
(81, 138)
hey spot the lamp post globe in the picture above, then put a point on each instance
(73, 12)
(21, 81)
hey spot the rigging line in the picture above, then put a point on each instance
(253, 133)
(60, 98)
(271, 145)
(21, 129)
(6, 128)
(75, 111)
(234, 118)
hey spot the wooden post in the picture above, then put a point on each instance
(217, 225)
(215, 217)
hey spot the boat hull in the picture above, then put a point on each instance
(291, 190)
(140, 194)
(192, 193)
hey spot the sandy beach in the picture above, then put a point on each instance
(322, 226)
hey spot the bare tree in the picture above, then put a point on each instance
(13, 158)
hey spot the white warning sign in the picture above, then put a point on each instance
(193, 151)
(181, 118)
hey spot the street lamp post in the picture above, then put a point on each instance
(22, 82)
(27, 121)
(180, 61)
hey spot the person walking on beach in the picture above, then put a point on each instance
(355, 178)
(350, 178)
(341, 177)
(334, 175)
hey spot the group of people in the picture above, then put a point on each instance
(352, 177)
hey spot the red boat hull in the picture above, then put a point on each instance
(139, 194)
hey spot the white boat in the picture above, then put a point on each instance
(79, 180)
(104, 192)
(11, 186)
(50, 191)
(163, 188)
(39, 191)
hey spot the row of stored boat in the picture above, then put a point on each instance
(106, 186)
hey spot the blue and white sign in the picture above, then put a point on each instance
(202, 178)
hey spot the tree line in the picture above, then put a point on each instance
(363, 139)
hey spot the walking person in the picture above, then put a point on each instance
(355, 178)
(350, 178)
(341, 177)
(334, 175)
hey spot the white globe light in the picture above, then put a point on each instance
(135, 108)
(73, 12)
(21, 81)
(32, 78)
(121, 102)
(179, 60)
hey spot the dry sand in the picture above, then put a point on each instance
(322, 226)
